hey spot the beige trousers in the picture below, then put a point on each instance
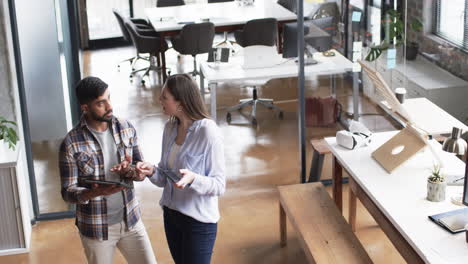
(134, 244)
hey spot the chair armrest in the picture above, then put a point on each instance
(139, 21)
(148, 33)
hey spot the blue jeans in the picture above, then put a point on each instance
(190, 241)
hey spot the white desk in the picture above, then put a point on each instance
(233, 71)
(166, 19)
(398, 201)
(428, 116)
(226, 16)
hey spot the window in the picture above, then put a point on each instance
(452, 22)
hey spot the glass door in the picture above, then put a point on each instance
(102, 23)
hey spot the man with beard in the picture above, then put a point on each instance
(107, 216)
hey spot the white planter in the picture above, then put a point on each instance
(436, 191)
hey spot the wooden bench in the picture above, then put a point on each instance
(320, 148)
(323, 232)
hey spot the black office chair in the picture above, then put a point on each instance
(141, 25)
(258, 32)
(146, 42)
(194, 39)
(165, 3)
(291, 5)
(225, 40)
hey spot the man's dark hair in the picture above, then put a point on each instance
(89, 88)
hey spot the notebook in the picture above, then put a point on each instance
(453, 221)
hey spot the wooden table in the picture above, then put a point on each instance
(398, 202)
(226, 16)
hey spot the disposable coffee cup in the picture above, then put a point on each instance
(400, 94)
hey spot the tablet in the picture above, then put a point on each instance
(123, 184)
(171, 175)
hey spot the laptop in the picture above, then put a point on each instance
(261, 57)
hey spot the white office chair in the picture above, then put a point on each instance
(254, 101)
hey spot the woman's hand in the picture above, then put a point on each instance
(144, 169)
(187, 178)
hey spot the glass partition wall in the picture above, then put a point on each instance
(408, 42)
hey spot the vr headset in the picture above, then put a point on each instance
(357, 136)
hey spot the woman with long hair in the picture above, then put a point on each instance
(193, 158)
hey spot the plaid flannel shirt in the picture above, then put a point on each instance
(81, 156)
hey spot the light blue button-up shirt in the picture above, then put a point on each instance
(202, 153)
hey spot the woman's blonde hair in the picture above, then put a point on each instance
(184, 89)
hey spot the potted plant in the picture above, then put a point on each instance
(7, 133)
(395, 35)
(436, 185)
(412, 47)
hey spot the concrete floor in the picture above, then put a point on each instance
(257, 160)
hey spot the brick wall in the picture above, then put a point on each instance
(455, 61)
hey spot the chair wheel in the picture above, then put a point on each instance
(143, 82)
(254, 121)
(228, 118)
(131, 76)
(281, 115)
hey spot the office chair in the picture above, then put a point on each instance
(258, 32)
(254, 101)
(225, 41)
(145, 42)
(288, 4)
(165, 3)
(141, 24)
(194, 39)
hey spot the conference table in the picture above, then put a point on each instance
(397, 201)
(234, 72)
(226, 16)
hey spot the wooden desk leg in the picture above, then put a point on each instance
(283, 228)
(337, 181)
(352, 206)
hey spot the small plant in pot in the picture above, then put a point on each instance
(436, 185)
(395, 36)
(413, 47)
(7, 133)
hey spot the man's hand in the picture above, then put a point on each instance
(99, 190)
(124, 167)
(187, 178)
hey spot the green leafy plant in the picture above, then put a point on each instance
(396, 33)
(436, 175)
(8, 133)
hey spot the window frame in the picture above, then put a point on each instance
(436, 27)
